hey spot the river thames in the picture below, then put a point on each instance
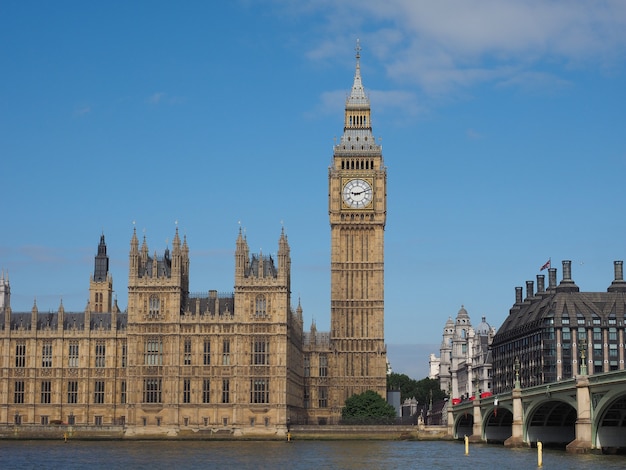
(294, 455)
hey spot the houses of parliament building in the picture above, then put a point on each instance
(240, 363)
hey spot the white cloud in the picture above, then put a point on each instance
(162, 97)
(473, 135)
(444, 46)
(156, 98)
(82, 110)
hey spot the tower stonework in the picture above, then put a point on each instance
(357, 180)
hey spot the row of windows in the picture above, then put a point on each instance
(153, 353)
(72, 392)
(71, 420)
(99, 302)
(323, 366)
(152, 392)
(357, 120)
(581, 320)
(259, 390)
(322, 397)
(73, 355)
(154, 306)
(357, 164)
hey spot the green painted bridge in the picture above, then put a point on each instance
(583, 414)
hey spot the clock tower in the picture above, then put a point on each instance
(357, 209)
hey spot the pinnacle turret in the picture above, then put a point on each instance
(357, 98)
(101, 262)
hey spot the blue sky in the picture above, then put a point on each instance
(502, 126)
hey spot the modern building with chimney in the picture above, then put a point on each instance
(557, 331)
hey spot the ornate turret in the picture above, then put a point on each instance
(284, 258)
(357, 115)
(242, 254)
(5, 291)
(5, 298)
(61, 316)
(101, 264)
(34, 315)
(101, 284)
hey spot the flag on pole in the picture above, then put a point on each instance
(546, 266)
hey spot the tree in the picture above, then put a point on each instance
(421, 390)
(366, 407)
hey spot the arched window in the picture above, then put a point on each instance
(155, 306)
(260, 308)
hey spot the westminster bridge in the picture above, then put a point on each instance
(585, 413)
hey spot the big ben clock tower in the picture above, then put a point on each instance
(357, 199)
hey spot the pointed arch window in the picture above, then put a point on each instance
(153, 352)
(155, 307)
(260, 351)
(260, 307)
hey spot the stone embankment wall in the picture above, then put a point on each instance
(64, 432)
(422, 433)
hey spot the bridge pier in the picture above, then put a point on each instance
(450, 422)
(517, 428)
(477, 428)
(582, 443)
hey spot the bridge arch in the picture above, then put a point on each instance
(497, 424)
(463, 425)
(609, 427)
(551, 422)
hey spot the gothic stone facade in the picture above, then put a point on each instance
(237, 362)
(172, 361)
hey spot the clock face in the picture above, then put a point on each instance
(357, 193)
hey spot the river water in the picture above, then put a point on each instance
(174, 455)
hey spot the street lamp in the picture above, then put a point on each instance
(476, 382)
(582, 346)
(517, 367)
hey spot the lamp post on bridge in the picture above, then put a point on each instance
(517, 428)
(582, 346)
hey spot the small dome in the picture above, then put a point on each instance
(483, 327)
(462, 312)
(462, 318)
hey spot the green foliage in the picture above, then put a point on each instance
(410, 388)
(366, 406)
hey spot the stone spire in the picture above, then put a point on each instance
(101, 262)
(5, 291)
(241, 255)
(357, 98)
(357, 138)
